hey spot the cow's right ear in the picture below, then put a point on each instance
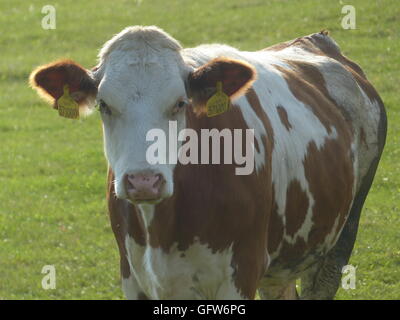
(49, 81)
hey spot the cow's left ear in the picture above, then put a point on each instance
(49, 81)
(236, 77)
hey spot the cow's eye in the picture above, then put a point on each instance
(180, 105)
(104, 108)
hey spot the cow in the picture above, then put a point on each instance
(201, 231)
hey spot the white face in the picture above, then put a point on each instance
(135, 96)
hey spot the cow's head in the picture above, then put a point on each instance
(142, 82)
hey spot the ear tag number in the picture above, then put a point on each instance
(218, 103)
(67, 106)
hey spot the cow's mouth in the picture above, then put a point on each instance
(145, 201)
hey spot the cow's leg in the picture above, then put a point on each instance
(130, 286)
(291, 292)
(279, 292)
(322, 280)
(131, 289)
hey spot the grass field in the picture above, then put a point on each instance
(52, 170)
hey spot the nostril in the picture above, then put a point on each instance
(159, 180)
(130, 181)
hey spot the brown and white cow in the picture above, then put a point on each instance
(200, 231)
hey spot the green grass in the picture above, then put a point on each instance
(52, 170)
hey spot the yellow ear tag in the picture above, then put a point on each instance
(218, 103)
(67, 107)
